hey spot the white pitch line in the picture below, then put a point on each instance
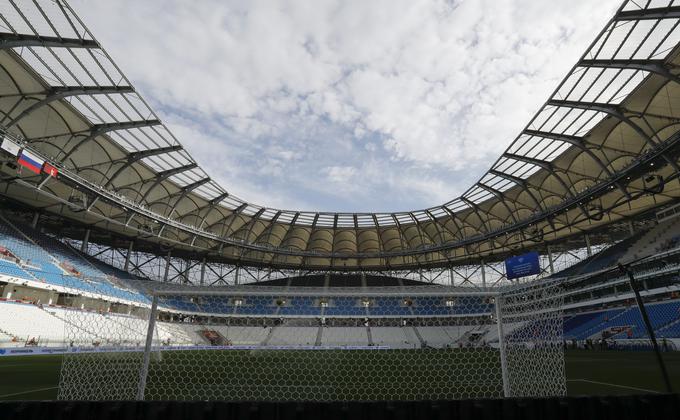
(28, 392)
(615, 385)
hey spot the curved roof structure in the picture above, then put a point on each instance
(581, 162)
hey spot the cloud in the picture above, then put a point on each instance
(346, 105)
(342, 175)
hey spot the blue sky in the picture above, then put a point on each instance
(354, 105)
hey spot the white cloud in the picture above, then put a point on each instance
(405, 102)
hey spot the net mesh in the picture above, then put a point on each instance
(105, 331)
(278, 344)
(533, 340)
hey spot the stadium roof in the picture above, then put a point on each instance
(581, 162)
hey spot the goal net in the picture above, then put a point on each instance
(533, 345)
(257, 343)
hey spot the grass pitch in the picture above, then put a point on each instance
(331, 375)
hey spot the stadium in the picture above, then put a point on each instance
(128, 274)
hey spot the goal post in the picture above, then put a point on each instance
(258, 343)
(150, 333)
(498, 310)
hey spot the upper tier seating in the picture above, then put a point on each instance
(10, 268)
(300, 306)
(344, 306)
(654, 240)
(36, 263)
(601, 260)
(661, 237)
(52, 262)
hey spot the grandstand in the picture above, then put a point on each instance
(39, 294)
(130, 269)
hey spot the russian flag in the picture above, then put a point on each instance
(30, 161)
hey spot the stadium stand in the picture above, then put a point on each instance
(344, 306)
(672, 330)
(300, 306)
(25, 323)
(395, 337)
(39, 257)
(659, 238)
(83, 154)
(240, 335)
(10, 268)
(344, 336)
(618, 322)
(34, 261)
(31, 318)
(291, 336)
(437, 337)
(387, 306)
(606, 258)
(587, 323)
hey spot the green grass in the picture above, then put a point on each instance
(332, 375)
(619, 372)
(29, 377)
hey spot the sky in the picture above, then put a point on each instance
(348, 105)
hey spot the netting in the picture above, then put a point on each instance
(533, 340)
(280, 344)
(105, 331)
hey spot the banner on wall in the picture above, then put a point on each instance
(10, 147)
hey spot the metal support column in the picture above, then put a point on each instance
(236, 274)
(648, 326)
(126, 267)
(186, 270)
(483, 273)
(86, 242)
(147, 349)
(167, 267)
(631, 227)
(550, 260)
(202, 281)
(589, 249)
(498, 300)
(451, 279)
(36, 219)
